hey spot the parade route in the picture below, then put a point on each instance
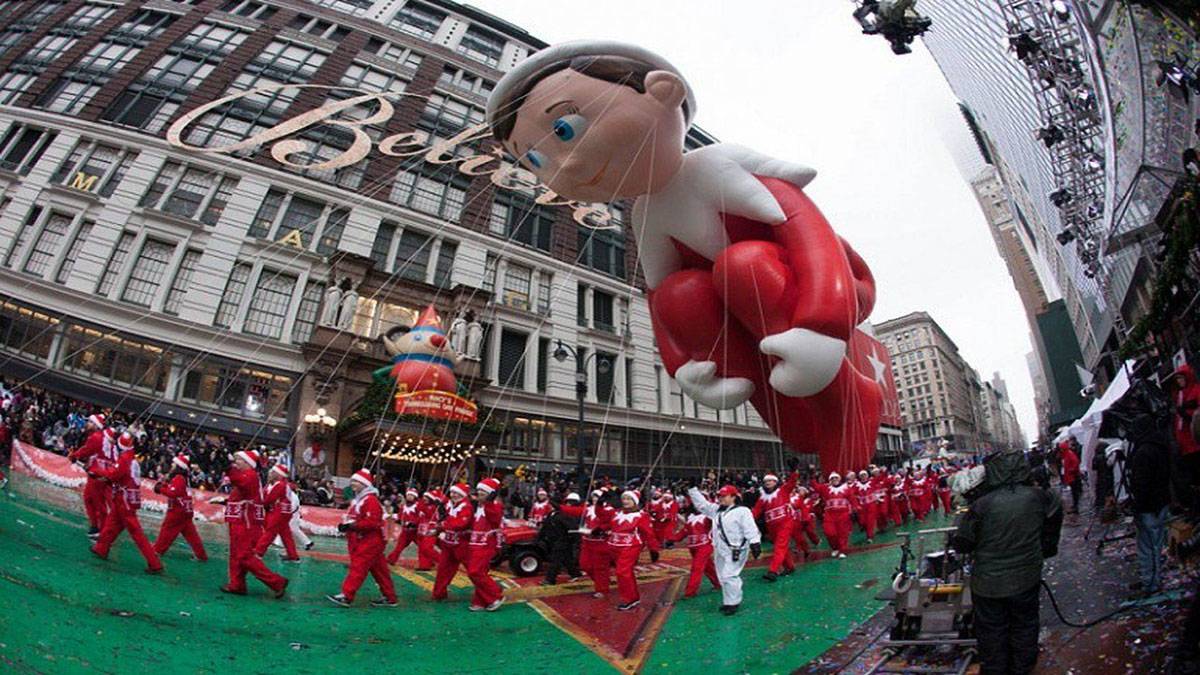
(67, 611)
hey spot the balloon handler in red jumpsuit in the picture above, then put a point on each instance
(628, 532)
(244, 517)
(123, 507)
(774, 507)
(838, 498)
(97, 457)
(409, 519)
(363, 526)
(454, 531)
(179, 511)
(278, 502)
(483, 545)
(753, 296)
(696, 533)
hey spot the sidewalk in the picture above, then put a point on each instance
(1087, 586)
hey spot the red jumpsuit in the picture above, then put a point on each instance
(838, 504)
(877, 491)
(898, 492)
(664, 513)
(920, 499)
(943, 492)
(804, 524)
(628, 533)
(595, 559)
(244, 516)
(539, 511)
(696, 534)
(776, 510)
(278, 502)
(122, 513)
(427, 523)
(483, 545)
(453, 542)
(365, 542)
(866, 508)
(96, 492)
(409, 520)
(179, 518)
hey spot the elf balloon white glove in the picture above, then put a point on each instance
(698, 379)
(808, 361)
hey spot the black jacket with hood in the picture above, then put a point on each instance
(1009, 529)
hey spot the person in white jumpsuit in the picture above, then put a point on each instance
(734, 537)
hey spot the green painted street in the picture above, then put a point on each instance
(65, 611)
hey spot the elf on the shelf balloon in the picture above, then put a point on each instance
(753, 296)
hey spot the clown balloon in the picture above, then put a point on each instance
(753, 296)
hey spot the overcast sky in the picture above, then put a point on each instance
(796, 79)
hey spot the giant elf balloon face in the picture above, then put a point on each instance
(600, 128)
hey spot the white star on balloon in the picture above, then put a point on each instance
(879, 366)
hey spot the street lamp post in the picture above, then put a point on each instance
(562, 352)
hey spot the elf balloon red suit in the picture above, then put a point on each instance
(409, 519)
(363, 526)
(753, 296)
(628, 532)
(179, 511)
(696, 534)
(455, 533)
(244, 517)
(838, 499)
(97, 456)
(775, 509)
(278, 502)
(483, 546)
(123, 506)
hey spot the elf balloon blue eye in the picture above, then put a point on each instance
(535, 159)
(568, 127)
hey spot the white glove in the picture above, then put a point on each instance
(698, 380)
(808, 361)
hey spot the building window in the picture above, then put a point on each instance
(94, 167)
(240, 390)
(543, 364)
(156, 95)
(54, 230)
(280, 63)
(523, 222)
(183, 277)
(355, 7)
(22, 146)
(603, 250)
(115, 263)
(445, 117)
(60, 37)
(81, 81)
(249, 9)
(407, 58)
(231, 299)
(512, 359)
(482, 45)
(545, 283)
(24, 25)
(190, 190)
(68, 263)
(602, 311)
(489, 273)
(23, 233)
(581, 313)
(148, 271)
(288, 214)
(606, 369)
(439, 194)
(417, 19)
(381, 248)
(517, 282)
(445, 264)
(462, 80)
(109, 357)
(412, 255)
(326, 30)
(25, 331)
(306, 315)
(269, 304)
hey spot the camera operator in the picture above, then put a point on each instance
(1010, 527)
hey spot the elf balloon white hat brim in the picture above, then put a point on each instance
(556, 57)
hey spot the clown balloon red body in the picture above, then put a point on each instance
(753, 296)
